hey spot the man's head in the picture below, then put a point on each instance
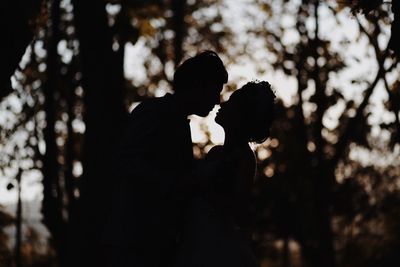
(199, 81)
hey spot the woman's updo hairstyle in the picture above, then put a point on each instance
(256, 101)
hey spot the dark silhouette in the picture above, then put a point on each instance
(147, 207)
(101, 70)
(312, 201)
(216, 229)
(19, 28)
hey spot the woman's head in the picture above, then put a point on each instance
(249, 112)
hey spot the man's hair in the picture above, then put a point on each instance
(205, 66)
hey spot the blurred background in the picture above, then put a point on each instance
(327, 190)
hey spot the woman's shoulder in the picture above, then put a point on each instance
(216, 149)
(215, 152)
(243, 152)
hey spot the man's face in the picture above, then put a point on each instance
(206, 97)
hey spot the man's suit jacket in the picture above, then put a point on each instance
(155, 155)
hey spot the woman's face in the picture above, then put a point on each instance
(229, 116)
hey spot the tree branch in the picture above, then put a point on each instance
(395, 108)
(351, 125)
(381, 56)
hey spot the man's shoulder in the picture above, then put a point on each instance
(153, 106)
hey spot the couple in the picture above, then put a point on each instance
(168, 212)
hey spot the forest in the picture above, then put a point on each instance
(327, 189)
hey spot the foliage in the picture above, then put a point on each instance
(314, 195)
(371, 9)
(300, 189)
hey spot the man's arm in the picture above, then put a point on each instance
(202, 177)
(136, 156)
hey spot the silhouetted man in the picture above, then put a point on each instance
(155, 163)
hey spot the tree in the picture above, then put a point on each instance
(71, 87)
(18, 18)
(69, 97)
(306, 163)
(369, 6)
(49, 88)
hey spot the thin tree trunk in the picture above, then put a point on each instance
(178, 9)
(394, 42)
(309, 234)
(286, 251)
(69, 155)
(323, 183)
(18, 232)
(52, 196)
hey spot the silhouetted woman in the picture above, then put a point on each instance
(215, 231)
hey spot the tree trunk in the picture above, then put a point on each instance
(52, 204)
(18, 221)
(105, 114)
(178, 9)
